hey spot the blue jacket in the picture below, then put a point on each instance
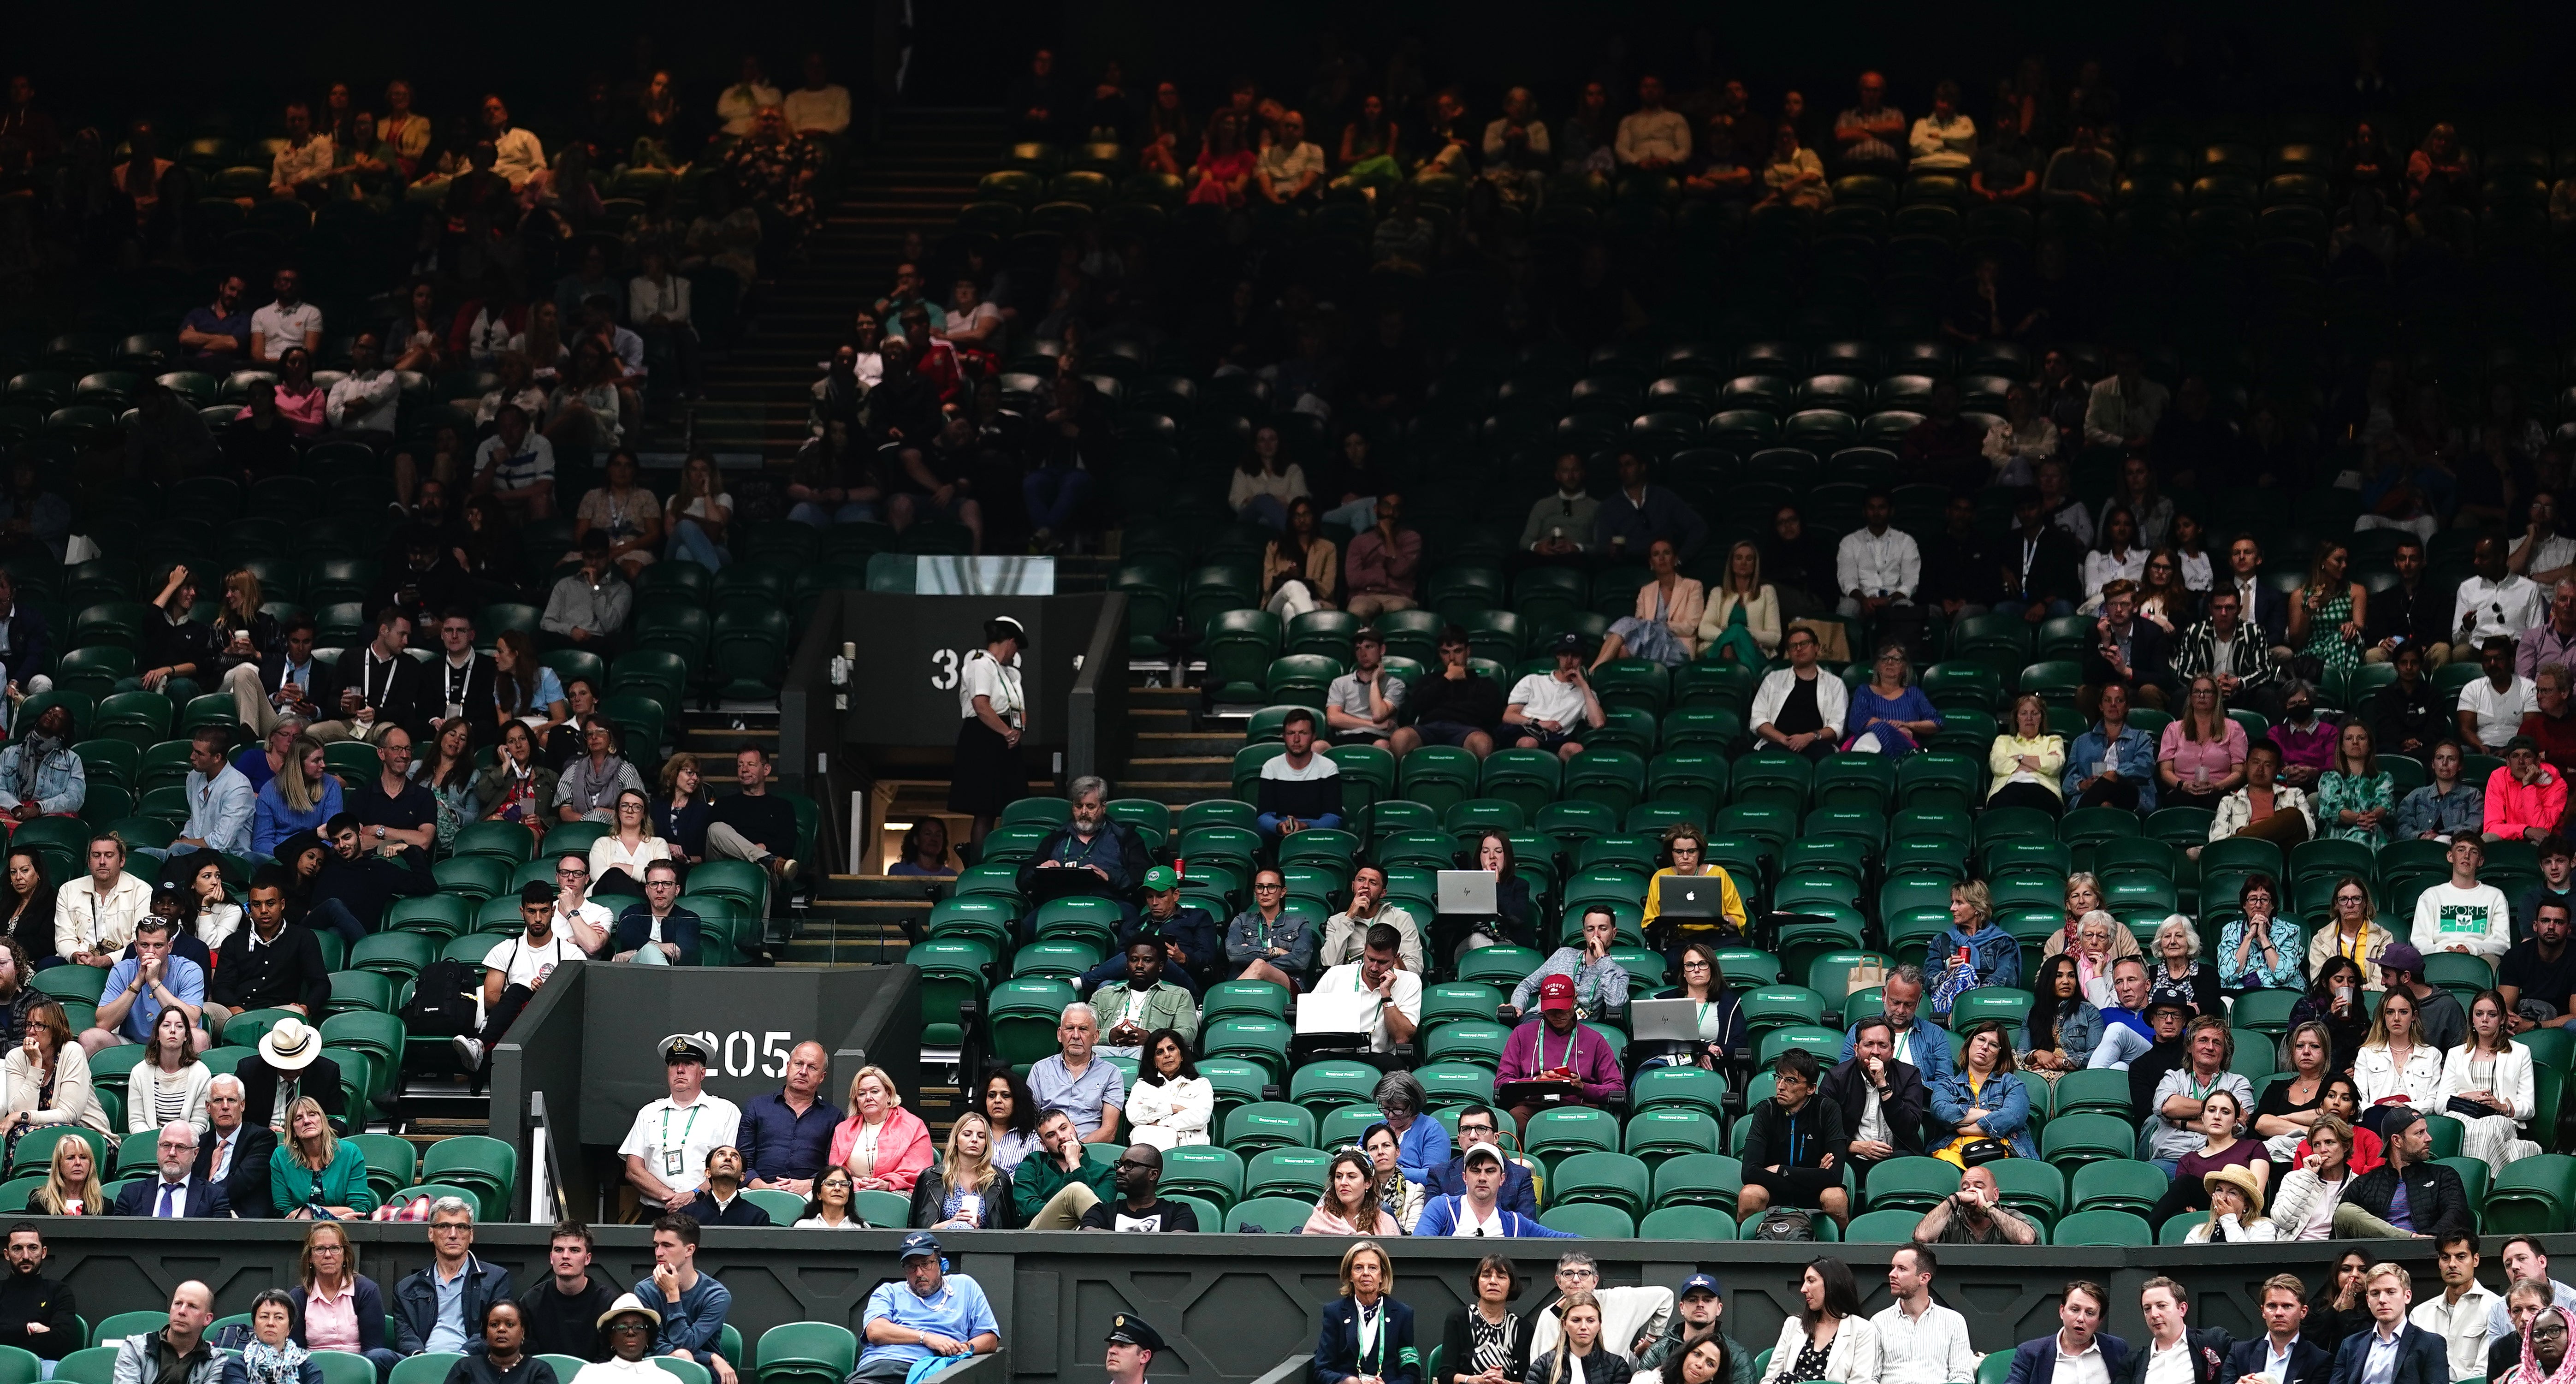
(1440, 1217)
(1994, 952)
(2309, 1363)
(58, 784)
(221, 818)
(2137, 762)
(273, 821)
(1519, 1192)
(1190, 928)
(415, 1306)
(2035, 1362)
(1931, 1055)
(2421, 1358)
(1246, 939)
(681, 929)
(2004, 1095)
(2079, 1033)
(1337, 1344)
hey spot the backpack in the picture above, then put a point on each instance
(1786, 1223)
(443, 1003)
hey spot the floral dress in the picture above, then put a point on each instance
(2339, 792)
(2326, 643)
(772, 175)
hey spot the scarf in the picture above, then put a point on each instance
(2530, 1372)
(268, 1364)
(31, 762)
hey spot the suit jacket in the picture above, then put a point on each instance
(2421, 1358)
(2208, 1359)
(2309, 1362)
(2150, 656)
(206, 1201)
(1337, 1344)
(321, 1081)
(1450, 1180)
(2035, 1362)
(246, 1182)
(272, 675)
(406, 696)
(1903, 1105)
(482, 700)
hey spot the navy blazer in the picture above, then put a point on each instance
(2035, 1362)
(2422, 1357)
(1450, 1180)
(206, 1201)
(1337, 1344)
(367, 1298)
(2309, 1363)
(679, 929)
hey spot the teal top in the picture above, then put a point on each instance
(292, 1185)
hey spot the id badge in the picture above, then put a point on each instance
(670, 1162)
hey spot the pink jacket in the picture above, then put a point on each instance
(2513, 808)
(903, 1146)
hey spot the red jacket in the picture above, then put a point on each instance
(2514, 808)
(903, 1146)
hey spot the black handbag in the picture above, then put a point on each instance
(1977, 1153)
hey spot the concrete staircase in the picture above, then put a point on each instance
(923, 167)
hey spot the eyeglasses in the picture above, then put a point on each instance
(1267, 886)
(621, 1328)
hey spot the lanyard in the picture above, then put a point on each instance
(1369, 1325)
(684, 1129)
(1571, 1040)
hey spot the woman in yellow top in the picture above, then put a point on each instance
(2027, 761)
(1685, 847)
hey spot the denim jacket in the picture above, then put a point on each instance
(1247, 939)
(2463, 808)
(60, 784)
(2078, 1034)
(2137, 763)
(2004, 1095)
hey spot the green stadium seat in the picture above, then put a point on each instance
(2110, 1228)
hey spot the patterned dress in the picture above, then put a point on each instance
(771, 175)
(2326, 643)
(2339, 793)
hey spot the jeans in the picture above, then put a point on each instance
(824, 516)
(1053, 495)
(1266, 511)
(333, 914)
(691, 542)
(1269, 822)
(1358, 515)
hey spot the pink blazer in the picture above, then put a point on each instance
(903, 1146)
(1689, 603)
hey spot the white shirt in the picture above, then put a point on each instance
(1318, 766)
(2478, 916)
(1468, 1227)
(2499, 713)
(983, 677)
(1408, 998)
(2169, 1364)
(1878, 564)
(826, 111)
(2505, 607)
(2103, 568)
(2553, 552)
(674, 1140)
(1873, 1121)
(1542, 698)
(281, 327)
(1931, 1349)
(742, 101)
(522, 964)
(1833, 699)
(2461, 1325)
(518, 157)
(87, 920)
(1942, 146)
(2086, 1368)
(364, 402)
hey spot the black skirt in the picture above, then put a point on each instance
(988, 775)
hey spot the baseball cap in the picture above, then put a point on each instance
(2522, 742)
(1484, 1151)
(1556, 992)
(1162, 877)
(2401, 956)
(918, 1243)
(1567, 643)
(1697, 1282)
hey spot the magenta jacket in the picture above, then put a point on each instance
(1593, 1064)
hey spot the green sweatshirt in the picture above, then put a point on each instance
(1039, 1177)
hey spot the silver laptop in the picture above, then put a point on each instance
(1336, 1011)
(1663, 1021)
(1469, 892)
(1685, 896)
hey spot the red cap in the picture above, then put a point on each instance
(1556, 992)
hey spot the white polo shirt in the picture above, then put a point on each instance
(674, 1140)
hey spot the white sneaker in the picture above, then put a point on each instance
(468, 1051)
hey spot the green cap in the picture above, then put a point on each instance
(1162, 877)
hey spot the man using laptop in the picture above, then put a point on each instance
(1375, 995)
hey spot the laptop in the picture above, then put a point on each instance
(1664, 1021)
(1693, 896)
(1467, 892)
(1336, 1012)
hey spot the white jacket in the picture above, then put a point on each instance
(1833, 700)
(1175, 1112)
(2298, 1201)
(75, 1100)
(2512, 1085)
(139, 1106)
(1854, 1358)
(2375, 1072)
(2262, 1228)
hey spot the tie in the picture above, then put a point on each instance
(168, 1190)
